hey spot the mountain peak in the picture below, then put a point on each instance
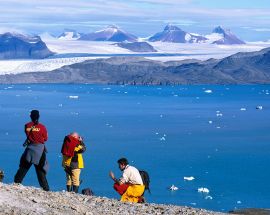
(228, 37)
(113, 26)
(171, 27)
(220, 30)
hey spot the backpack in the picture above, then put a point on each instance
(87, 191)
(145, 179)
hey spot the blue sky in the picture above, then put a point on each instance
(250, 20)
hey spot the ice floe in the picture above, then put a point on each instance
(259, 107)
(210, 121)
(190, 178)
(208, 91)
(208, 197)
(162, 139)
(173, 188)
(203, 190)
(73, 97)
(243, 109)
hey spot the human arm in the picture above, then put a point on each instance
(111, 174)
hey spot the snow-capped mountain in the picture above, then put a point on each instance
(18, 46)
(174, 34)
(221, 36)
(69, 34)
(111, 33)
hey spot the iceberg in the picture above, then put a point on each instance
(208, 91)
(203, 190)
(73, 97)
(173, 188)
(189, 178)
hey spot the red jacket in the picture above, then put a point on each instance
(69, 145)
(38, 134)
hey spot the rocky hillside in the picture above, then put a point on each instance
(18, 46)
(18, 199)
(241, 68)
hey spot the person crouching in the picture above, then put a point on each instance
(130, 185)
(72, 149)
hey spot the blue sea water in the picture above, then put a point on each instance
(173, 132)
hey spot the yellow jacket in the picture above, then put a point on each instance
(67, 160)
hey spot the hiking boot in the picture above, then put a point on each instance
(141, 199)
(75, 189)
(68, 188)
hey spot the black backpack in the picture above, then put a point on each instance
(145, 179)
(87, 191)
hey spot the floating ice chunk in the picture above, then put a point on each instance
(162, 139)
(239, 202)
(243, 109)
(73, 97)
(218, 127)
(219, 114)
(160, 115)
(60, 105)
(193, 203)
(74, 113)
(259, 107)
(173, 187)
(210, 122)
(208, 91)
(189, 178)
(209, 197)
(203, 190)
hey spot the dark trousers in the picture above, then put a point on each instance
(41, 175)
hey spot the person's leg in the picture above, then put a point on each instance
(23, 169)
(133, 193)
(76, 179)
(42, 180)
(41, 174)
(121, 189)
(68, 179)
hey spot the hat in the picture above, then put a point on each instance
(34, 115)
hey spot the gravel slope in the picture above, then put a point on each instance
(18, 199)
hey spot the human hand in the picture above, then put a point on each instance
(111, 175)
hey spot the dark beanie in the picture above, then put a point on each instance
(34, 115)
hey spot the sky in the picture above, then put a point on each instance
(248, 19)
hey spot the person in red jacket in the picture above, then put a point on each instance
(35, 152)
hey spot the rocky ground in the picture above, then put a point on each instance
(18, 199)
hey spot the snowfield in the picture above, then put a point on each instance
(180, 51)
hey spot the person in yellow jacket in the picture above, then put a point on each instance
(130, 185)
(72, 149)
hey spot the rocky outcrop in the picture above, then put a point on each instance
(18, 199)
(18, 46)
(137, 46)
